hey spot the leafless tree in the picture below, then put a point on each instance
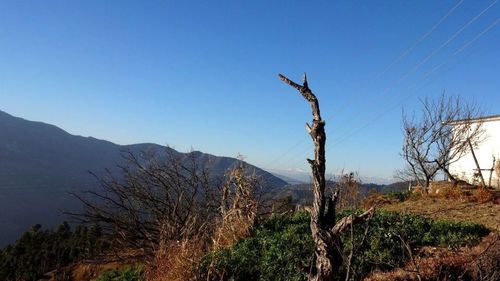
(439, 137)
(170, 207)
(325, 231)
(156, 197)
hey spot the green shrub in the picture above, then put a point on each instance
(455, 234)
(128, 273)
(281, 248)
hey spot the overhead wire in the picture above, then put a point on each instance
(477, 37)
(426, 76)
(447, 42)
(421, 39)
(381, 74)
(458, 32)
(465, 46)
(459, 50)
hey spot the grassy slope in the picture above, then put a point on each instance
(487, 214)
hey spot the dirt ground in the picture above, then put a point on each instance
(487, 214)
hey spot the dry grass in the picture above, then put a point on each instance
(446, 201)
(90, 269)
(453, 201)
(460, 191)
(233, 227)
(375, 198)
(480, 262)
(176, 261)
(487, 214)
(482, 195)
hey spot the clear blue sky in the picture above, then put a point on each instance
(203, 74)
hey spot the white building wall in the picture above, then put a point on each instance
(465, 167)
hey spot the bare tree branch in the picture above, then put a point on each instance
(439, 137)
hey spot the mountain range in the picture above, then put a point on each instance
(41, 163)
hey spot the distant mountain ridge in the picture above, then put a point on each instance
(296, 176)
(291, 181)
(40, 163)
(302, 193)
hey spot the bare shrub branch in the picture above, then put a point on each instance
(164, 196)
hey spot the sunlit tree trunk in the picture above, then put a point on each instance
(324, 229)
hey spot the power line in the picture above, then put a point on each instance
(408, 51)
(446, 43)
(386, 69)
(477, 37)
(458, 32)
(465, 46)
(422, 38)
(461, 49)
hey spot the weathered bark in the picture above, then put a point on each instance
(325, 233)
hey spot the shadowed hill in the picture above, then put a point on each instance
(41, 163)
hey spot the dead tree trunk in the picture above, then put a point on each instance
(325, 232)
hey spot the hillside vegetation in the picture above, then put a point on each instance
(280, 248)
(40, 164)
(410, 238)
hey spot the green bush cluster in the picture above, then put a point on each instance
(281, 248)
(38, 251)
(128, 273)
